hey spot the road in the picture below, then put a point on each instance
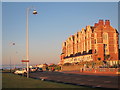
(79, 79)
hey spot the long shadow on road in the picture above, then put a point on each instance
(93, 81)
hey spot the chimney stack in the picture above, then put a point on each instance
(101, 22)
(96, 24)
(107, 22)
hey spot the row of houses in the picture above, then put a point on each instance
(98, 42)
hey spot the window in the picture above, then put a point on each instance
(99, 59)
(106, 50)
(95, 51)
(73, 38)
(69, 38)
(105, 45)
(65, 43)
(77, 35)
(105, 36)
(95, 41)
(89, 57)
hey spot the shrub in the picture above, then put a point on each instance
(57, 68)
(67, 64)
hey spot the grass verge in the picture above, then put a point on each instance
(10, 80)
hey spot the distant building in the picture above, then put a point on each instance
(41, 65)
(98, 42)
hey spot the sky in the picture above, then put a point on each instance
(53, 24)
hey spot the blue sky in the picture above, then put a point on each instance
(54, 23)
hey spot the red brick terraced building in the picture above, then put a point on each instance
(98, 42)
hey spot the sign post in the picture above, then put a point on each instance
(27, 61)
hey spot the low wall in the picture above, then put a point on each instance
(102, 70)
(71, 68)
(90, 70)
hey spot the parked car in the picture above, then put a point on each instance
(33, 69)
(40, 70)
(21, 71)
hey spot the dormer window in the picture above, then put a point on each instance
(77, 35)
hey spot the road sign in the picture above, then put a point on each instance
(24, 60)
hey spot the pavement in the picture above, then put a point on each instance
(85, 73)
(80, 78)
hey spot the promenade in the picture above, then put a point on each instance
(77, 78)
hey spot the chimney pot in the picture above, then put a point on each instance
(107, 22)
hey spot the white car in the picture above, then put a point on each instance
(20, 71)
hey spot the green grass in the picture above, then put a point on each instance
(10, 80)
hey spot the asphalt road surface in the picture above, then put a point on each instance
(79, 79)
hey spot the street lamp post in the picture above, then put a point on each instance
(12, 44)
(27, 37)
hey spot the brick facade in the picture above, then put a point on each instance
(91, 44)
